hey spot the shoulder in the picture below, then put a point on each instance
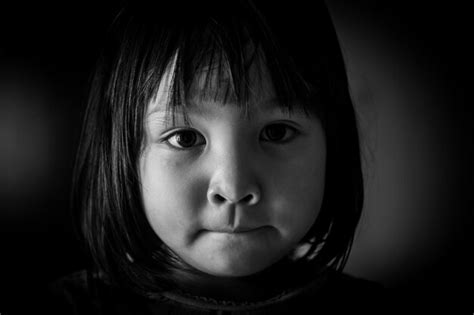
(346, 293)
(347, 282)
(86, 293)
(72, 294)
(72, 283)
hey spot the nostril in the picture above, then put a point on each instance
(247, 199)
(218, 198)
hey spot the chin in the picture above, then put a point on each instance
(232, 272)
(228, 267)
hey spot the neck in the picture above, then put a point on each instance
(264, 285)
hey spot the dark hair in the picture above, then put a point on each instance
(301, 50)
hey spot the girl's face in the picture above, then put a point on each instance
(231, 195)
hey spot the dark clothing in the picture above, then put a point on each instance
(337, 292)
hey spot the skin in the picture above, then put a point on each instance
(242, 192)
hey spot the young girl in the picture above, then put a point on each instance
(219, 168)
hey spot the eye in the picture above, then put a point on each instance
(279, 133)
(184, 139)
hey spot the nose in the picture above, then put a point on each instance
(233, 181)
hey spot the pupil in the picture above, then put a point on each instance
(186, 138)
(276, 132)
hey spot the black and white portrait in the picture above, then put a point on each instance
(236, 157)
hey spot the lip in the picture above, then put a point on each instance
(237, 230)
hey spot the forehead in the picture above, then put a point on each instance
(214, 84)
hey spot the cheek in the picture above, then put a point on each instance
(172, 197)
(297, 196)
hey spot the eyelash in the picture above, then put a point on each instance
(293, 133)
(171, 137)
(178, 132)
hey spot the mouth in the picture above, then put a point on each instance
(238, 229)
